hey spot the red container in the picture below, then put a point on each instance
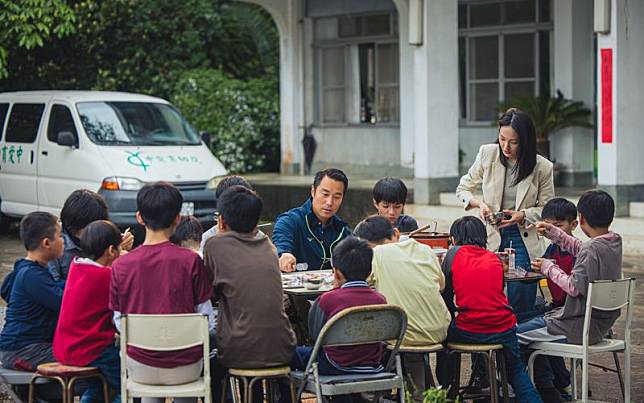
(433, 239)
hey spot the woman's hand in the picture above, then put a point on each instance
(515, 218)
(484, 210)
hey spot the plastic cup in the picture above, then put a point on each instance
(505, 260)
(301, 266)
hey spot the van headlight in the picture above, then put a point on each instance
(120, 183)
(214, 181)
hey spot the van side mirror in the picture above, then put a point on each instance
(205, 137)
(66, 138)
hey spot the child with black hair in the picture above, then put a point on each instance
(81, 208)
(32, 295)
(160, 277)
(248, 285)
(222, 186)
(389, 198)
(188, 233)
(85, 332)
(562, 214)
(600, 258)
(351, 263)
(474, 291)
(408, 274)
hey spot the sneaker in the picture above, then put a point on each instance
(479, 385)
(566, 393)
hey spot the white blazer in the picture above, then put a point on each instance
(533, 193)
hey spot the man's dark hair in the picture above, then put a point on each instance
(469, 230)
(240, 208)
(559, 209)
(81, 208)
(159, 204)
(597, 207)
(36, 226)
(353, 256)
(333, 173)
(97, 237)
(188, 230)
(374, 229)
(390, 190)
(232, 180)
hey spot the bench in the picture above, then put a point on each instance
(11, 378)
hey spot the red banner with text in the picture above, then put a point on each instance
(607, 95)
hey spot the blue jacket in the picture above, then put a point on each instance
(298, 231)
(59, 268)
(34, 301)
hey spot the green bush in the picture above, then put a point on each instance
(242, 117)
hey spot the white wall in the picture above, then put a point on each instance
(471, 139)
(573, 75)
(370, 145)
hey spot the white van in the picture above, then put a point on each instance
(54, 142)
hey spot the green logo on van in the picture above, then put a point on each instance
(137, 159)
(12, 154)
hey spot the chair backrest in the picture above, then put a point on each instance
(363, 325)
(609, 295)
(164, 332)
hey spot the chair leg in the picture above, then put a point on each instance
(106, 389)
(500, 359)
(627, 381)
(584, 379)
(246, 389)
(316, 379)
(618, 369)
(401, 392)
(429, 376)
(573, 377)
(291, 385)
(454, 358)
(491, 369)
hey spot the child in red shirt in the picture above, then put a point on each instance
(85, 332)
(474, 286)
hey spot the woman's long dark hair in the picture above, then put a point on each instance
(527, 158)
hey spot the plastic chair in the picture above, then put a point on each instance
(493, 356)
(165, 333)
(605, 295)
(351, 327)
(66, 375)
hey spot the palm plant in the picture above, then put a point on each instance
(550, 115)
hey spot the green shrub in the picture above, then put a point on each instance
(242, 117)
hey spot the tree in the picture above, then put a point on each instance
(29, 23)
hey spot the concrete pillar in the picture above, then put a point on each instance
(620, 139)
(406, 87)
(287, 15)
(435, 99)
(574, 77)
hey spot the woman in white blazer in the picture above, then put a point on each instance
(518, 182)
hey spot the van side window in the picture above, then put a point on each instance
(3, 115)
(60, 120)
(24, 122)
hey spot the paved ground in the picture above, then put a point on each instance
(604, 386)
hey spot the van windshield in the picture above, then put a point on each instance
(135, 123)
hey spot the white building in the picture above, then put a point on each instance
(398, 87)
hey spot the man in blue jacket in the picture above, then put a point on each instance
(307, 234)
